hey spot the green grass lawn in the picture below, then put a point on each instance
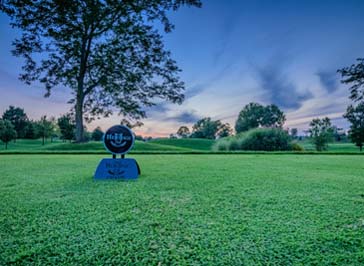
(36, 145)
(332, 147)
(183, 210)
(154, 146)
(195, 144)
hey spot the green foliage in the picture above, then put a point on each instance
(31, 130)
(66, 126)
(183, 132)
(224, 131)
(294, 146)
(45, 128)
(220, 210)
(354, 75)
(321, 132)
(109, 53)
(355, 115)
(339, 134)
(255, 115)
(18, 118)
(206, 128)
(97, 134)
(259, 139)
(7, 132)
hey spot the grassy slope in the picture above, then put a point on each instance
(161, 145)
(184, 210)
(195, 144)
(334, 147)
(36, 145)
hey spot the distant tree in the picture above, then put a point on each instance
(273, 116)
(97, 134)
(45, 128)
(18, 118)
(207, 128)
(255, 115)
(31, 130)
(139, 137)
(7, 132)
(250, 117)
(109, 53)
(66, 126)
(321, 132)
(354, 76)
(225, 130)
(87, 136)
(355, 115)
(183, 132)
(293, 133)
(338, 134)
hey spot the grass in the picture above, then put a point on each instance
(195, 144)
(181, 146)
(184, 210)
(36, 145)
(334, 147)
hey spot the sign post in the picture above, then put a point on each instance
(118, 140)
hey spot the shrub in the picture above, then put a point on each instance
(296, 147)
(234, 144)
(266, 139)
(259, 139)
(221, 145)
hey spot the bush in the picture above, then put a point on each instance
(259, 139)
(221, 145)
(296, 147)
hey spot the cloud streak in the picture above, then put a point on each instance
(328, 80)
(187, 117)
(278, 89)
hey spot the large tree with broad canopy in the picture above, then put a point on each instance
(109, 52)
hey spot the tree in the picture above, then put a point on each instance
(273, 117)
(294, 133)
(108, 52)
(207, 128)
(7, 132)
(338, 134)
(45, 128)
(183, 132)
(321, 132)
(355, 115)
(18, 118)
(225, 130)
(97, 134)
(256, 115)
(354, 75)
(250, 117)
(66, 126)
(31, 130)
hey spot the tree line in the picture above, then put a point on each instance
(15, 124)
(255, 115)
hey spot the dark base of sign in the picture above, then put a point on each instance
(124, 169)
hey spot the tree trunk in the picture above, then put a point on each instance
(6, 145)
(361, 148)
(79, 120)
(43, 140)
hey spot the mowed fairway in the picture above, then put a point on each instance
(184, 210)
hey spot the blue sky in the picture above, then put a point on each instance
(234, 52)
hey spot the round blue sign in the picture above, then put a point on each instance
(119, 139)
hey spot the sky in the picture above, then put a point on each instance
(232, 52)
